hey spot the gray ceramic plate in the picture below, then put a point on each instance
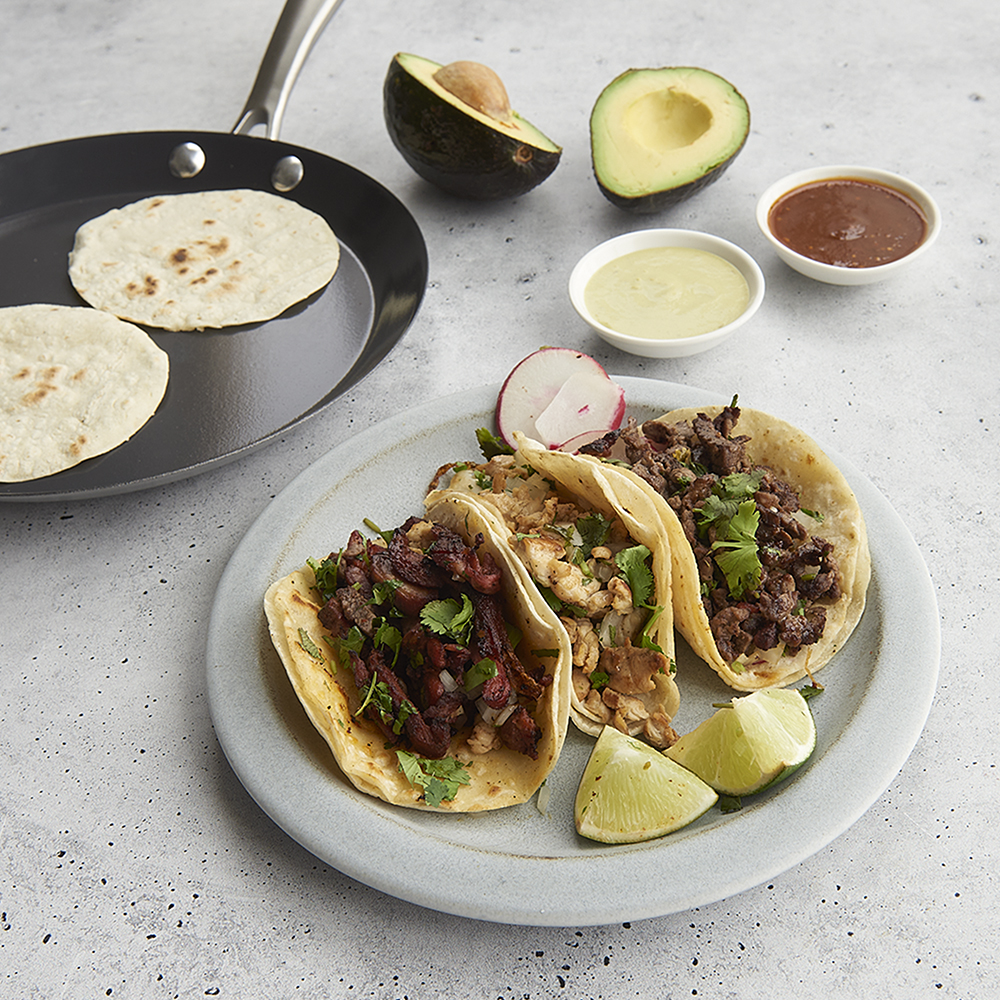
(517, 865)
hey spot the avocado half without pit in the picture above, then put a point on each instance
(454, 126)
(658, 136)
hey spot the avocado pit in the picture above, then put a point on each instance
(478, 86)
(453, 124)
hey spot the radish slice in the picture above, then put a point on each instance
(534, 383)
(585, 403)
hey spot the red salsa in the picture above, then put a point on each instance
(848, 222)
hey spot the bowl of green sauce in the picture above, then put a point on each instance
(665, 293)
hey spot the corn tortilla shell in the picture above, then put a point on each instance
(498, 778)
(203, 258)
(595, 486)
(74, 383)
(798, 459)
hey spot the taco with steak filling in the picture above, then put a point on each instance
(436, 680)
(770, 559)
(594, 551)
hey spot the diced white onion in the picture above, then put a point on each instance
(504, 714)
(449, 682)
(496, 716)
(486, 713)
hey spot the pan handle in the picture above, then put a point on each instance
(298, 27)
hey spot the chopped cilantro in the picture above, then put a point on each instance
(353, 642)
(558, 605)
(491, 445)
(377, 694)
(550, 598)
(727, 495)
(372, 526)
(390, 636)
(449, 617)
(479, 673)
(644, 639)
(599, 680)
(439, 780)
(384, 592)
(742, 484)
(306, 642)
(739, 560)
(325, 571)
(633, 565)
(816, 515)
(594, 530)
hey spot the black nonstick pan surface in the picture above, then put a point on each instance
(235, 389)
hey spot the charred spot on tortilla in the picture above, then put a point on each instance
(136, 261)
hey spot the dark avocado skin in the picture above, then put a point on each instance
(658, 201)
(454, 151)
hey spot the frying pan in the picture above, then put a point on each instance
(235, 389)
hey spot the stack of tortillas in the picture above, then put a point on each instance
(203, 259)
(77, 382)
(74, 383)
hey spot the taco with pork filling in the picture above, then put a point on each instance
(596, 553)
(435, 680)
(768, 543)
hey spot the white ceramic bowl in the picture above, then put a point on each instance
(644, 239)
(833, 274)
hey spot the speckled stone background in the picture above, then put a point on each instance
(133, 863)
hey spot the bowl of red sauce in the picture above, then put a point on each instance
(848, 225)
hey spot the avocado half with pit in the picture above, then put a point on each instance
(658, 136)
(454, 126)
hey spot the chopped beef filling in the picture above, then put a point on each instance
(414, 681)
(799, 577)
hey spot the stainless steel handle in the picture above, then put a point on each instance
(298, 27)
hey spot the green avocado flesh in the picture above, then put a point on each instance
(455, 146)
(658, 136)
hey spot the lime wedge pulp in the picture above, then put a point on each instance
(754, 742)
(630, 792)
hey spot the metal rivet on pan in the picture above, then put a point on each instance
(287, 173)
(187, 159)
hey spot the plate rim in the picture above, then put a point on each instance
(514, 878)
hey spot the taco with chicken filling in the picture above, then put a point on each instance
(595, 552)
(436, 681)
(769, 550)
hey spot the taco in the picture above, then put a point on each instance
(596, 554)
(769, 551)
(437, 682)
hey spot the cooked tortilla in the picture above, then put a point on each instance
(203, 258)
(74, 383)
(500, 777)
(591, 486)
(796, 458)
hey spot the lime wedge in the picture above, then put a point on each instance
(755, 742)
(631, 792)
